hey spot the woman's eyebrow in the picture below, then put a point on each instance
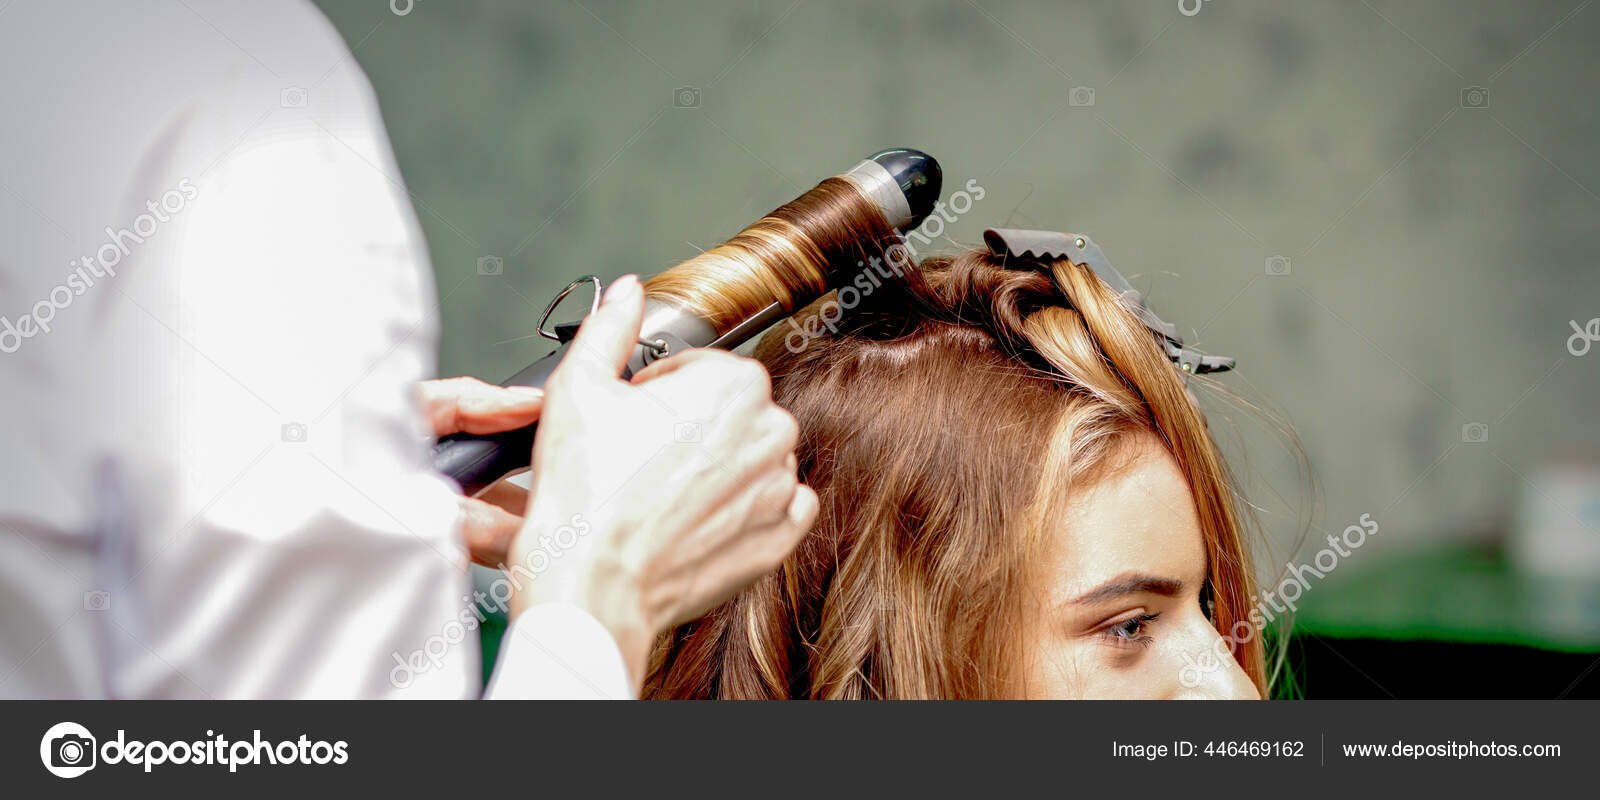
(1133, 583)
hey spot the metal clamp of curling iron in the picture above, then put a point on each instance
(563, 333)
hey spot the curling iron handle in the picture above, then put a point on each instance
(476, 461)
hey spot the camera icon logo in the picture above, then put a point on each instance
(1081, 97)
(1475, 433)
(1475, 97)
(67, 750)
(685, 432)
(292, 97)
(1278, 265)
(686, 97)
(294, 431)
(96, 601)
(491, 265)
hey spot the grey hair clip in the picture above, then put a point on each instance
(1080, 249)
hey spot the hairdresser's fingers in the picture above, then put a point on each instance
(678, 361)
(468, 405)
(749, 455)
(609, 335)
(507, 495)
(734, 381)
(803, 508)
(488, 531)
(772, 439)
(772, 501)
(774, 543)
(736, 563)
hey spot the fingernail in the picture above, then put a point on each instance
(623, 289)
(799, 511)
(531, 391)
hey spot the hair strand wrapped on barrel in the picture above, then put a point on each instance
(786, 257)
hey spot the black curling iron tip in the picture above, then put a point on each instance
(918, 176)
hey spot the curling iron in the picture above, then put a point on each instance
(903, 186)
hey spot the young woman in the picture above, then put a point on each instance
(1019, 498)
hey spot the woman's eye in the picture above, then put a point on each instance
(1132, 630)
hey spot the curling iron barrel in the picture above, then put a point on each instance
(730, 293)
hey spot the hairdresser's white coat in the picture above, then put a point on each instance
(165, 528)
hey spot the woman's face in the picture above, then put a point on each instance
(1122, 615)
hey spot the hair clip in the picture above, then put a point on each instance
(1079, 249)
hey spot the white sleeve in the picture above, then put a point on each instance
(557, 651)
(226, 490)
(318, 554)
(308, 549)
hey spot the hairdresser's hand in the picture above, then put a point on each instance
(654, 500)
(468, 405)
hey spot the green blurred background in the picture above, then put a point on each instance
(1386, 210)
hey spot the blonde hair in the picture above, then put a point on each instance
(787, 257)
(941, 428)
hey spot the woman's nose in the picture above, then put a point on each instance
(1231, 683)
(1207, 669)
